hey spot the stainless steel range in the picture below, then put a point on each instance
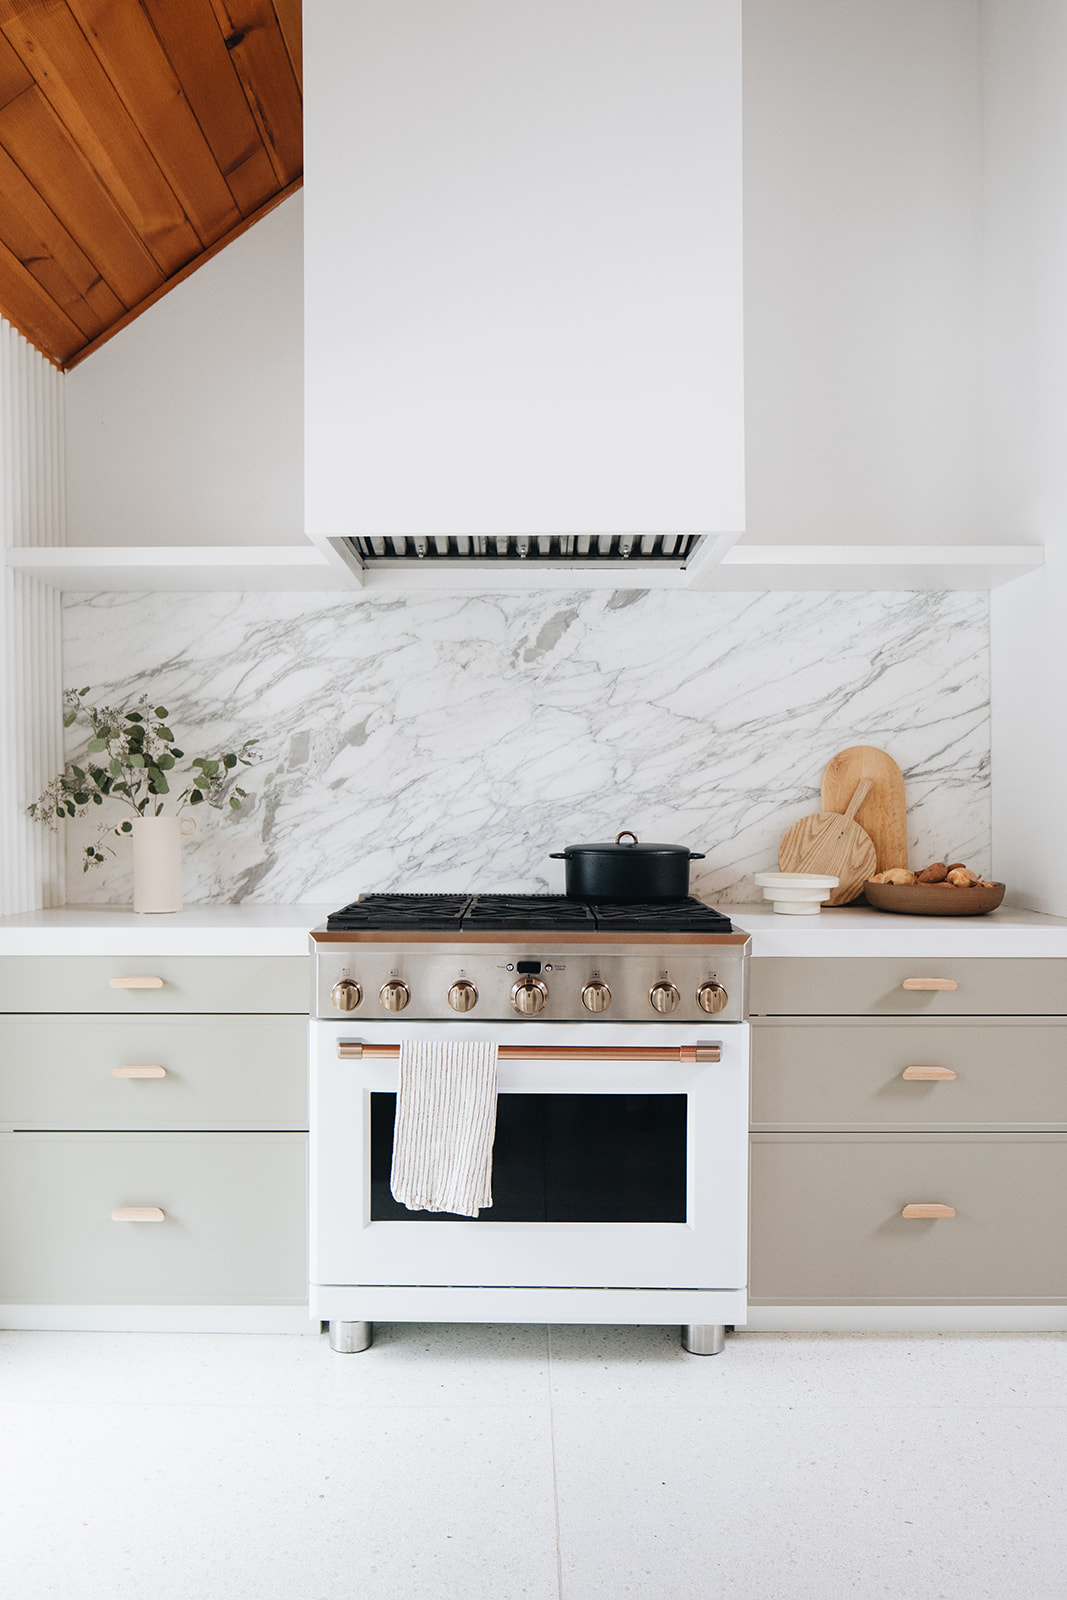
(620, 1159)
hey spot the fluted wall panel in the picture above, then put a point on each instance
(32, 513)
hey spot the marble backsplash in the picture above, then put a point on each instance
(449, 742)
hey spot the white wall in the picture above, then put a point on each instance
(862, 127)
(1026, 143)
(187, 427)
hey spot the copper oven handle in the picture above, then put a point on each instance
(687, 1054)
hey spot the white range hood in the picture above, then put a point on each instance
(523, 289)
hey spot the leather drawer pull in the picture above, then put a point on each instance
(929, 983)
(159, 1072)
(135, 983)
(928, 1211)
(137, 1214)
(928, 1074)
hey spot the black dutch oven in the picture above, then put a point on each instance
(627, 873)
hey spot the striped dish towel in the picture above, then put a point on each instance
(445, 1125)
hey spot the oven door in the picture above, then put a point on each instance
(610, 1170)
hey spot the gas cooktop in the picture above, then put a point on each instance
(458, 913)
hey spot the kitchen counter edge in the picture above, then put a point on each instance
(196, 931)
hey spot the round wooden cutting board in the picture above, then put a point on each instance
(834, 843)
(882, 814)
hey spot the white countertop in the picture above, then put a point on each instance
(283, 931)
(862, 931)
(196, 931)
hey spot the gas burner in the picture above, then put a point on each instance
(537, 911)
(671, 916)
(434, 912)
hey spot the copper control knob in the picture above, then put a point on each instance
(346, 995)
(712, 997)
(529, 996)
(596, 996)
(663, 997)
(462, 996)
(394, 995)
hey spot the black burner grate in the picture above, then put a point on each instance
(434, 912)
(449, 913)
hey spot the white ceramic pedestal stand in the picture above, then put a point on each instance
(157, 862)
(796, 894)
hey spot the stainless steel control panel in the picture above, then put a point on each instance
(508, 982)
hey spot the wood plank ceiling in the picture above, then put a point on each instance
(137, 138)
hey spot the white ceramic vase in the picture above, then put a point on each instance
(157, 862)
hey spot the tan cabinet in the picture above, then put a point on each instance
(827, 1223)
(909, 1142)
(153, 1131)
(891, 987)
(144, 986)
(225, 1218)
(845, 1074)
(179, 1072)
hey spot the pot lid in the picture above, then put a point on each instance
(626, 843)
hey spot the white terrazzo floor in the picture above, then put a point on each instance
(474, 1463)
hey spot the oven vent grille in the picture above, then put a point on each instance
(550, 549)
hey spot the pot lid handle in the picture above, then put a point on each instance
(627, 833)
(696, 855)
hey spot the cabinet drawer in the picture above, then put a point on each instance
(188, 983)
(858, 986)
(826, 1222)
(833, 1075)
(220, 1072)
(233, 1229)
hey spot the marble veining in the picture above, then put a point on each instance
(449, 742)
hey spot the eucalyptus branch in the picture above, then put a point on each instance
(128, 756)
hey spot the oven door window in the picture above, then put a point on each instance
(564, 1158)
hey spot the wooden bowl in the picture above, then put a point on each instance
(932, 900)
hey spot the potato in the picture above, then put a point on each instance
(937, 873)
(900, 875)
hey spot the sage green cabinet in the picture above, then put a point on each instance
(153, 1131)
(869, 1098)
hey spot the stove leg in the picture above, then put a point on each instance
(703, 1338)
(347, 1338)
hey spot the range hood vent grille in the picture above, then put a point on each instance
(535, 549)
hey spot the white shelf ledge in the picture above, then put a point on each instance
(886, 566)
(90, 569)
(743, 567)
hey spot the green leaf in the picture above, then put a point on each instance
(85, 690)
(235, 804)
(134, 716)
(161, 711)
(127, 827)
(229, 762)
(179, 755)
(78, 773)
(81, 798)
(60, 811)
(96, 745)
(195, 798)
(136, 760)
(71, 811)
(165, 763)
(157, 781)
(165, 733)
(114, 766)
(98, 799)
(69, 718)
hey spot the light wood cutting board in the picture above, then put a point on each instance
(882, 814)
(833, 843)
